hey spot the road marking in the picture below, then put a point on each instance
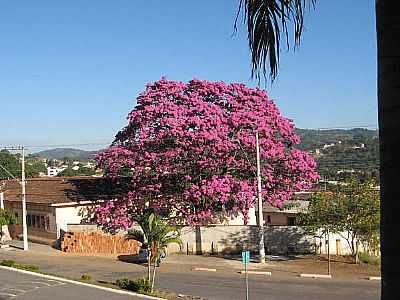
(12, 289)
(27, 285)
(122, 292)
(41, 282)
(205, 269)
(374, 278)
(257, 272)
(8, 294)
(316, 276)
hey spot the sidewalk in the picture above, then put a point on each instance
(110, 268)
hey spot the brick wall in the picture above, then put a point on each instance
(97, 242)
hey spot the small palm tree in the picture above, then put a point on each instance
(155, 235)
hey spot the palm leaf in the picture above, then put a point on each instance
(267, 22)
(135, 234)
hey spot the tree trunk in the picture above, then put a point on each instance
(388, 42)
(154, 276)
(148, 265)
(356, 257)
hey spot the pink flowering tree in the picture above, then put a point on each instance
(188, 152)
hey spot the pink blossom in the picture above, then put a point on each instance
(189, 151)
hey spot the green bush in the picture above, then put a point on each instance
(143, 285)
(140, 285)
(368, 259)
(123, 283)
(86, 277)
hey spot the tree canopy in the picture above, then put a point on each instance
(352, 210)
(189, 151)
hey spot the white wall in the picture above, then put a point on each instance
(239, 220)
(67, 215)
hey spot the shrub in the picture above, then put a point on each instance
(368, 259)
(86, 277)
(123, 283)
(143, 285)
(140, 285)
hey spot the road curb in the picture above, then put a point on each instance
(374, 278)
(81, 283)
(266, 273)
(304, 275)
(205, 269)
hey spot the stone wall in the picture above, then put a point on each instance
(98, 243)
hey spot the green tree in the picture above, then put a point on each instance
(6, 218)
(352, 210)
(155, 236)
(9, 165)
(34, 168)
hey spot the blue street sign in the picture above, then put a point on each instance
(245, 257)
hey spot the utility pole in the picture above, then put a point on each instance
(260, 204)
(24, 225)
(23, 194)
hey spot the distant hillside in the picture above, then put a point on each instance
(312, 139)
(60, 153)
(341, 153)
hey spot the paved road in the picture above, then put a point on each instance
(214, 286)
(19, 286)
(225, 284)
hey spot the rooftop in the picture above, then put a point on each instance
(57, 190)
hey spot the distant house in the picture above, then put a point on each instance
(287, 215)
(53, 171)
(275, 216)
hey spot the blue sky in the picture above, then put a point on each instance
(70, 70)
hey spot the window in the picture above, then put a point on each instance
(269, 219)
(37, 221)
(291, 221)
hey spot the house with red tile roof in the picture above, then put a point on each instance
(53, 203)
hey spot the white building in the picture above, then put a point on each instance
(53, 171)
(52, 203)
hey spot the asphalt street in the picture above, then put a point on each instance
(19, 286)
(214, 286)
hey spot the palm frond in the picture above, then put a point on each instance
(171, 240)
(135, 234)
(267, 22)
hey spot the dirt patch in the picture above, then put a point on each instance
(341, 266)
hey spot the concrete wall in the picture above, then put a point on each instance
(233, 239)
(65, 216)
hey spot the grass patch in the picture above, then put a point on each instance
(13, 264)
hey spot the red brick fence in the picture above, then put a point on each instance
(96, 242)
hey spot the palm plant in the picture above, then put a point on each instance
(267, 22)
(155, 235)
